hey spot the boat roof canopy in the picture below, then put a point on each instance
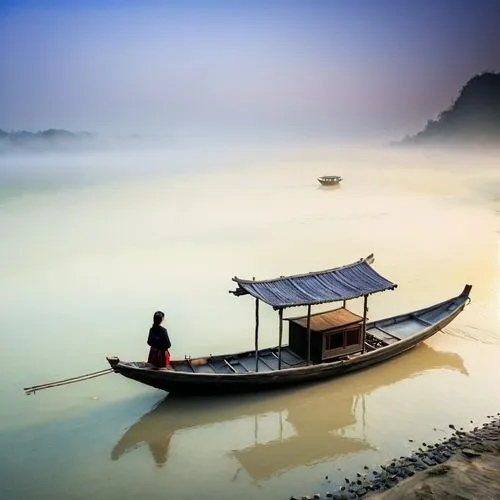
(340, 283)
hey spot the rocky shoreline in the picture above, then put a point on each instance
(467, 459)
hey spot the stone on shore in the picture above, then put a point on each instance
(466, 466)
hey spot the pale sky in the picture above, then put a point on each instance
(349, 66)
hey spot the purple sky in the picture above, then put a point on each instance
(372, 66)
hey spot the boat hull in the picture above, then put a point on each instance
(185, 383)
(329, 180)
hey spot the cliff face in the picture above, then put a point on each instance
(473, 118)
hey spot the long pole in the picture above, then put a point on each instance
(72, 380)
(365, 310)
(256, 335)
(280, 314)
(309, 334)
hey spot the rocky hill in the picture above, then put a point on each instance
(474, 118)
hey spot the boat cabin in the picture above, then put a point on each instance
(334, 334)
(321, 337)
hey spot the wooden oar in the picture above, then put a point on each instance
(72, 380)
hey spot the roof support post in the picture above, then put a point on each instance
(309, 334)
(363, 333)
(280, 314)
(344, 303)
(256, 335)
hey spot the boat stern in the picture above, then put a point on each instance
(466, 291)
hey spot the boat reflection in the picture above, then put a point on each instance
(288, 428)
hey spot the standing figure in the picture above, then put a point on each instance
(159, 342)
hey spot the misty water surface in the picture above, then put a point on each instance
(93, 244)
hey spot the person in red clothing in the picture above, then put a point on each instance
(159, 342)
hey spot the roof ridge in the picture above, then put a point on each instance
(310, 273)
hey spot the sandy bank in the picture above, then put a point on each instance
(465, 466)
(462, 477)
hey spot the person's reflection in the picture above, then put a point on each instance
(159, 450)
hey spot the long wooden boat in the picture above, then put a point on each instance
(309, 444)
(329, 180)
(321, 346)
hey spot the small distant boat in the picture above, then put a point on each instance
(320, 346)
(329, 180)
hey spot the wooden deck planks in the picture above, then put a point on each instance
(382, 335)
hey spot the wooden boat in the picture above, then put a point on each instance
(321, 345)
(309, 444)
(329, 180)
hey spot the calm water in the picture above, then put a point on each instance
(92, 245)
